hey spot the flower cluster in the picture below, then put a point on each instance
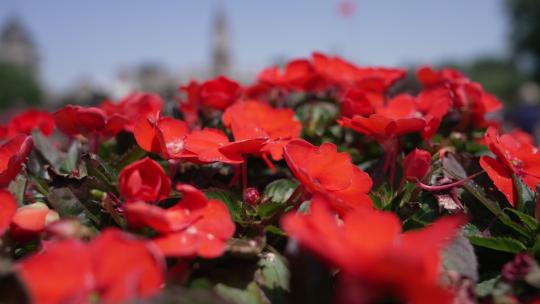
(322, 181)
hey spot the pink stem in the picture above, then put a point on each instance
(448, 186)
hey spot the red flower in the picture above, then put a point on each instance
(325, 171)
(60, 273)
(190, 106)
(124, 114)
(467, 95)
(341, 73)
(74, 120)
(114, 265)
(29, 120)
(194, 226)
(144, 180)
(8, 206)
(13, 154)
(298, 75)
(522, 136)
(397, 118)
(416, 165)
(255, 120)
(513, 158)
(206, 146)
(165, 135)
(124, 267)
(31, 220)
(219, 93)
(373, 254)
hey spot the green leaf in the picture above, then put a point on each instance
(317, 116)
(527, 220)
(232, 201)
(66, 203)
(71, 161)
(252, 294)
(100, 169)
(460, 257)
(279, 191)
(504, 244)
(485, 288)
(181, 295)
(273, 277)
(527, 197)
(17, 188)
(48, 149)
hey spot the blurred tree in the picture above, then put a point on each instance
(525, 39)
(18, 87)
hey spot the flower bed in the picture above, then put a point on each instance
(321, 182)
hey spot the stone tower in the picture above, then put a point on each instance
(17, 46)
(221, 60)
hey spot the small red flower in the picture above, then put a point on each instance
(416, 165)
(298, 75)
(144, 180)
(190, 106)
(74, 120)
(513, 158)
(124, 114)
(325, 171)
(251, 120)
(195, 226)
(219, 93)
(13, 154)
(8, 207)
(163, 135)
(30, 120)
(372, 252)
(31, 220)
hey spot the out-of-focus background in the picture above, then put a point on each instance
(58, 51)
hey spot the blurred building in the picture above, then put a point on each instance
(221, 57)
(17, 46)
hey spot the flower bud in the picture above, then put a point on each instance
(252, 196)
(416, 165)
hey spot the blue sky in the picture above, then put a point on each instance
(95, 38)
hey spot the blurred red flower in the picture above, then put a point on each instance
(372, 253)
(124, 114)
(30, 220)
(326, 171)
(29, 120)
(513, 158)
(195, 226)
(298, 75)
(144, 180)
(8, 207)
(13, 153)
(467, 95)
(115, 265)
(74, 120)
(219, 93)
